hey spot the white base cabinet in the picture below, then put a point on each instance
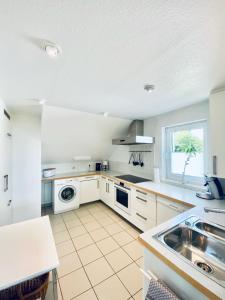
(167, 209)
(89, 189)
(143, 209)
(107, 191)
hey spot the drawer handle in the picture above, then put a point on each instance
(141, 216)
(174, 207)
(143, 200)
(141, 192)
(214, 164)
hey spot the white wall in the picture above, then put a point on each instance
(155, 125)
(68, 133)
(26, 162)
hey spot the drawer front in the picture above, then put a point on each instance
(143, 221)
(145, 204)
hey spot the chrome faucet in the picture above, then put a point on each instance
(215, 210)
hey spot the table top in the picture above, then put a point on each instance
(27, 250)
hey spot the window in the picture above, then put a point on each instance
(185, 153)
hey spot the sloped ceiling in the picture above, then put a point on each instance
(110, 50)
(68, 133)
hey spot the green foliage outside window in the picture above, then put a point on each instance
(186, 142)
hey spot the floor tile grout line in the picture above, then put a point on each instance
(103, 255)
(94, 242)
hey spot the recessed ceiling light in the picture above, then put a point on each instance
(52, 50)
(106, 114)
(149, 87)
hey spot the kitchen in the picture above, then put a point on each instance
(113, 168)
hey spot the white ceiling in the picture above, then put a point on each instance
(110, 50)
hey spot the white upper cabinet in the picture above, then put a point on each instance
(217, 133)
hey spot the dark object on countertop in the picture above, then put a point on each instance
(157, 290)
(132, 178)
(214, 189)
(98, 166)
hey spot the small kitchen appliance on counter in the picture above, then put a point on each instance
(214, 189)
(98, 166)
(105, 165)
(50, 172)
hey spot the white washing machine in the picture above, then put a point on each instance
(66, 195)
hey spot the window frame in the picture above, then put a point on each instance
(188, 179)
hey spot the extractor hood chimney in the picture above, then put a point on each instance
(135, 135)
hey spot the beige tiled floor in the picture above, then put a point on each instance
(99, 254)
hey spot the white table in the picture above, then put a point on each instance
(27, 250)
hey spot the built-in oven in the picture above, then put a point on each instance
(122, 197)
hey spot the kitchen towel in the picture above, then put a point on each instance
(157, 290)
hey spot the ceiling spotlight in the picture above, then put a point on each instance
(106, 114)
(149, 87)
(52, 49)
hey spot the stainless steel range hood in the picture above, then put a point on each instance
(135, 135)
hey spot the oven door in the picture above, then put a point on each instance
(122, 198)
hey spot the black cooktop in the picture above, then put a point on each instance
(133, 179)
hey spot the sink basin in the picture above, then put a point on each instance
(211, 230)
(191, 242)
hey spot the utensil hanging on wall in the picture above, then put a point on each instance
(142, 160)
(131, 157)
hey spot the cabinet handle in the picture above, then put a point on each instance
(174, 207)
(97, 184)
(214, 164)
(141, 199)
(8, 134)
(6, 183)
(141, 216)
(143, 193)
(110, 180)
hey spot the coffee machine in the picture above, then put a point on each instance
(214, 189)
(105, 165)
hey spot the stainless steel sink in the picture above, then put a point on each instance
(212, 230)
(193, 241)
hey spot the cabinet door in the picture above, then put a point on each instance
(167, 210)
(89, 190)
(110, 196)
(104, 190)
(217, 141)
(5, 170)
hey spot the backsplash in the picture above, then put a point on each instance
(76, 166)
(119, 160)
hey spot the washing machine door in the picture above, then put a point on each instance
(67, 193)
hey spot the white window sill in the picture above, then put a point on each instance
(185, 185)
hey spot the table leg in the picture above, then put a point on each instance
(54, 284)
